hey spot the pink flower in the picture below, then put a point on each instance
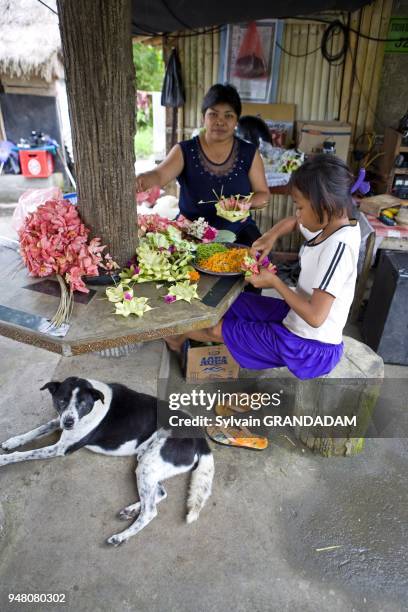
(273, 269)
(169, 298)
(150, 195)
(128, 296)
(229, 203)
(210, 234)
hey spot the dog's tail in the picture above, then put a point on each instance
(201, 483)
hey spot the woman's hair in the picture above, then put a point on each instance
(326, 181)
(222, 94)
(253, 128)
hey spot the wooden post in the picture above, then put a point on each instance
(97, 48)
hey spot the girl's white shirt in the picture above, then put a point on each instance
(331, 266)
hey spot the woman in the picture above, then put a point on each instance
(215, 162)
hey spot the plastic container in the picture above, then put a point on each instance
(36, 163)
(72, 197)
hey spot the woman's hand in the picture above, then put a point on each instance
(263, 245)
(265, 279)
(140, 182)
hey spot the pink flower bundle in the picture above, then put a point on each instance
(53, 240)
(154, 223)
(198, 229)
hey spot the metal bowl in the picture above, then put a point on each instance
(229, 245)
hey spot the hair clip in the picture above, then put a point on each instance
(361, 185)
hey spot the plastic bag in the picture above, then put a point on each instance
(30, 201)
(250, 63)
(173, 89)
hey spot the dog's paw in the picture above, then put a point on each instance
(11, 443)
(116, 540)
(140, 454)
(4, 459)
(130, 512)
(192, 516)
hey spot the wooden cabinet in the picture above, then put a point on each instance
(393, 147)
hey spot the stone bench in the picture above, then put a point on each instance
(361, 371)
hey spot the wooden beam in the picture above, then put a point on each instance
(97, 49)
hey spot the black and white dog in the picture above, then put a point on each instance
(114, 420)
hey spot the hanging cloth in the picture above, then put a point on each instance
(173, 90)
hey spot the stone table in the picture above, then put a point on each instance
(26, 304)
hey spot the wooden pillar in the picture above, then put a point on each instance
(97, 49)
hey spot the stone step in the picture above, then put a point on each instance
(12, 186)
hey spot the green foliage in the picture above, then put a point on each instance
(144, 118)
(144, 143)
(149, 67)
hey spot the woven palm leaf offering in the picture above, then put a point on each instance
(232, 208)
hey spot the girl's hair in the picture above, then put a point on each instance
(222, 94)
(326, 181)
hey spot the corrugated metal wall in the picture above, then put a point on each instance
(199, 57)
(321, 91)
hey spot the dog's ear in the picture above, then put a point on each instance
(51, 386)
(97, 395)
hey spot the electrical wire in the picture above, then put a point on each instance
(213, 30)
(350, 29)
(333, 25)
(48, 7)
(334, 28)
(296, 54)
(168, 35)
(173, 14)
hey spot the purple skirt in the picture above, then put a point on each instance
(253, 332)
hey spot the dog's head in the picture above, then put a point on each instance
(73, 399)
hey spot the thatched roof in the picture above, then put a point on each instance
(30, 43)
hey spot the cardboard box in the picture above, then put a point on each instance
(209, 363)
(375, 204)
(312, 134)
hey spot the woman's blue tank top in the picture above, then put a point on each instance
(201, 177)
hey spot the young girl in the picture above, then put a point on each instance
(303, 330)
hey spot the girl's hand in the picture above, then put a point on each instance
(263, 245)
(265, 279)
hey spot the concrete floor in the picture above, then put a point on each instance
(255, 546)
